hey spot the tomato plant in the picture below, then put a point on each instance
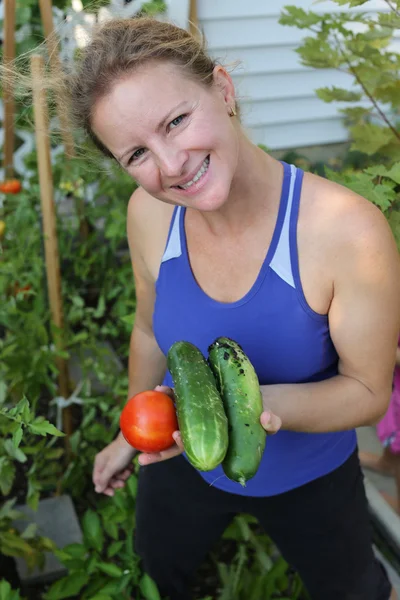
(148, 421)
(10, 186)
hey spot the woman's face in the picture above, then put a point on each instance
(172, 134)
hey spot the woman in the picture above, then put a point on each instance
(302, 273)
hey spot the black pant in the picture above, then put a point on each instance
(322, 529)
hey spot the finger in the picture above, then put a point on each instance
(271, 423)
(97, 468)
(153, 457)
(101, 480)
(178, 440)
(165, 389)
(117, 484)
(125, 474)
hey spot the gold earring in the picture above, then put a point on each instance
(232, 111)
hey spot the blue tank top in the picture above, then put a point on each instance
(286, 341)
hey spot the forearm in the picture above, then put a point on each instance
(334, 404)
(147, 364)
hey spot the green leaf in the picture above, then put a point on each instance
(7, 475)
(330, 94)
(297, 17)
(129, 319)
(380, 171)
(17, 436)
(75, 550)
(12, 544)
(30, 531)
(15, 453)
(351, 3)
(3, 391)
(319, 54)
(42, 427)
(391, 19)
(100, 597)
(114, 548)
(369, 138)
(33, 494)
(110, 569)
(21, 410)
(92, 530)
(67, 587)
(149, 588)
(101, 307)
(8, 512)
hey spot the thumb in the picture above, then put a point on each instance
(271, 423)
(165, 389)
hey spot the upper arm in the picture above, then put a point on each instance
(364, 316)
(144, 281)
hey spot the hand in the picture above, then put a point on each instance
(148, 458)
(112, 466)
(271, 423)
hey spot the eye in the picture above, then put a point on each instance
(176, 121)
(137, 154)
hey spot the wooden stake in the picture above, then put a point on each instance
(49, 227)
(66, 129)
(52, 48)
(193, 19)
(8, 92)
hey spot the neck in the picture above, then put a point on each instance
(257, 180)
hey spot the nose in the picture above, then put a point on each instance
(171, 161)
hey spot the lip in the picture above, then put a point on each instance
(198, 185)
(190, 177)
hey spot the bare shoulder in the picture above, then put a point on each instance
(344, 223)
(148, 221)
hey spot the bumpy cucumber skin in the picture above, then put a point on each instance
(239, 387)
(201, 416)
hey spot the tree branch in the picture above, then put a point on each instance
(392, 8)
(366, 91)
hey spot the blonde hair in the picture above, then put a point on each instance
(118, 48)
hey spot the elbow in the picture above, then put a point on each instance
(379, 408)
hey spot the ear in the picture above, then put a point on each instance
(224, 85)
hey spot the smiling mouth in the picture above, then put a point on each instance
(203, 169)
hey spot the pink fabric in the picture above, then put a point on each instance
(388, 429)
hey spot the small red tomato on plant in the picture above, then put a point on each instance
(148, 421)
(10, 186)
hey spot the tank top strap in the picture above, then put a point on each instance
(173, 248)
(294, 255)
(285, 253)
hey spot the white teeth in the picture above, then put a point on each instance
(199, 173)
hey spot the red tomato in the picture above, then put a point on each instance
(148, 421)
(10, 186)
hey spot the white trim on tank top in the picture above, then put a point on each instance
(280, 262)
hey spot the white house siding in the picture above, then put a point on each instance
(277, 94)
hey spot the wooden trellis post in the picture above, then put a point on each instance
(65, 125)
(8, 92)
(55, 64)
(193, 19)
(49, 228)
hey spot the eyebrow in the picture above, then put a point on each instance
(158, 128)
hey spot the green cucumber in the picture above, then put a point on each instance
(239, 387)
(202, 420)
